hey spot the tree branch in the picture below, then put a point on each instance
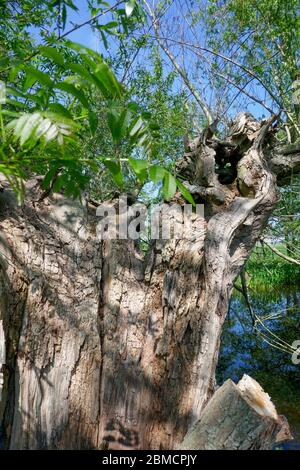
(177, 67)
(230, 60)
(279, 253)
(91, 20)
(246, 296)
(284, 164)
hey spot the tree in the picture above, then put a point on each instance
(106, 344)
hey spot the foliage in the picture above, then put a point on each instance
(54, 98)
(267, 270)
(267, 44)
(283, 231)
(232, 55)
(106, 137)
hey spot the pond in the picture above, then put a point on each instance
(261, 348)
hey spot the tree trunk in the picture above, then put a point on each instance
(105, 346)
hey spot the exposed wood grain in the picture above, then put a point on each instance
(238, 417)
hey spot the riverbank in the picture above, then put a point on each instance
(274, 295)
(267, 270)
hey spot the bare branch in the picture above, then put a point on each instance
(91, 20)
(242, 90)
(284, 164)
(279, 253)
(177, 67)
(229, 59)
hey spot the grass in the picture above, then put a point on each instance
(265, 268)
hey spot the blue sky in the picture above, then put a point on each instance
(91, 38)
(84, 35)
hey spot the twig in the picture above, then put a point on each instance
(91, 20)
(177, 67)
(246, 296)
(279, 253)
(229, 59)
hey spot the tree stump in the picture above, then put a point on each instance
(238, 416)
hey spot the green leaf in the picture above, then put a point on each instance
(38, 75)
(136, 126)
(129, 7)
(49, 176)
(71, 5)
(29, 82)
(53, 54)
(143, 138)
(154, 126)
(108, 79)
(110, 24)
(64, 16)
(2, 92)
(140, 168)
(95, 80)
(9, 113)
(156, 173)
(87, 54)
(51, 134)
(60, 119)
(4, 61)
(59, 108)
(169, 186)
(14, 92)
(185, 192)
(133, 106)
(18, 104)
(42, 128)
(46, 125)
(71, 89)
(84, 73)
(27, 130)
(118, 123)
(93, 121)
(24, 127)
(18, 124)
(115, 171)
(58, 183)
(81, 70)
(112, 121)
(146, 115)
(13, 73)
(101, 74)
(104, 39)
(138, 165)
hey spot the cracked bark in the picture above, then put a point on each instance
(105, 347)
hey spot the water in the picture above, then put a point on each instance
(244, 351)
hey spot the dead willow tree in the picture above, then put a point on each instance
(106, 347)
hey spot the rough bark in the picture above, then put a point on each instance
(105, 346)
(2, 356)
(238, 417)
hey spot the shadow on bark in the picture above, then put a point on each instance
(32, 299)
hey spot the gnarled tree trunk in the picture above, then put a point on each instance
(105, 346)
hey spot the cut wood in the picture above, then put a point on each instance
(238, 416)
